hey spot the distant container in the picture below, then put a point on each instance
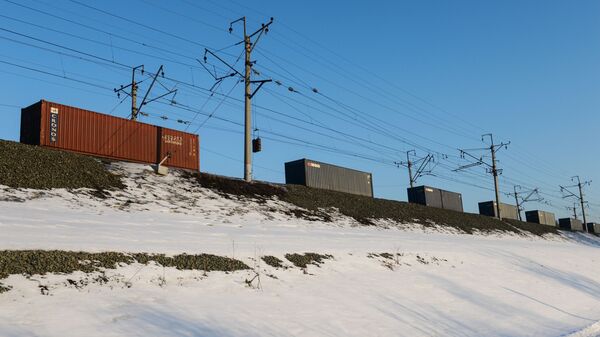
(593, 227)
(68, 128)
(328, 177)
(571, 224)
(541, 217)
(507, 211)
(435, 197)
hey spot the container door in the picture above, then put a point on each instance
(451, 200)
(433, 197)
(179, 148)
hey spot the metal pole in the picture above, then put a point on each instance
(517, 202)
(247, 109)
(495, 174)
(409, 164)
(134, 111)
(582, 205)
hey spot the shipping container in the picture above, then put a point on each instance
(329, 177)
(571, 224)
(541, 217)
(68, 128)
(593, 227)
(435, 197)
(507, 211)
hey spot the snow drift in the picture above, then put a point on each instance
(393, 279)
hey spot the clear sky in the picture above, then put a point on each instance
(391, 76)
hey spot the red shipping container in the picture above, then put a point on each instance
(64, 127)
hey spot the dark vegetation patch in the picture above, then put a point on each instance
(364, 209)
(533, 228)
(303, 260)
(206, 262)
(230, 186)
(33, 262)
(388, 256)
(273, 261)
(4, 288)
(260, 191)
(315, 202)
(27, 166)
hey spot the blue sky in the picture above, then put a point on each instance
(392, 76)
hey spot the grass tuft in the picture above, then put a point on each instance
(273, 261)
(40, 262)
(27, 166)
(303, 260)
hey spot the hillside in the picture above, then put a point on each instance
(25, 166)
(189, 255)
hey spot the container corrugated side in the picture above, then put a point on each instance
(329, 177)
(571, 224)
(507, 211)
(94, 133)
(69, 128)
(593, 227)
(541, 217)
(435, 197)
(181, 147)
(452, 200)
(336, 178)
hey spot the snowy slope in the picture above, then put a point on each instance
(442, 283)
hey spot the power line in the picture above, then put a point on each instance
(138, 23)
(217, 107)
(55, 75)
(320, 57)
(492, 168)
(113, 62)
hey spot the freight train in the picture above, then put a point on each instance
(69, 128)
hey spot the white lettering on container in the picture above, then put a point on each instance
(175, 140)
(53, 124)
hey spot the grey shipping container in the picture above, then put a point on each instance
(571, 224)
(507, 211)
(435, 197)
(541, 217)
(593, 227)
(329, 177)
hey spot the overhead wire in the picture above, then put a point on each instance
(371, 73)
(107, 60)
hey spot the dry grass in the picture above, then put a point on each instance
(27, 166)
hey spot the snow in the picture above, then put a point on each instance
(442, 284)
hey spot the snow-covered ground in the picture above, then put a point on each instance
(441, 284)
